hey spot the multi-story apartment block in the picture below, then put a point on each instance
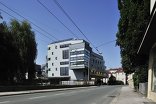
(71, 60)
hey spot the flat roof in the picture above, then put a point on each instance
(64, 40)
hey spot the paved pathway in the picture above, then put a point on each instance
(128, 96)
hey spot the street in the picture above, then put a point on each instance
(93, 95)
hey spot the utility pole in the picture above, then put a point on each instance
(88, 69)
(1, 21)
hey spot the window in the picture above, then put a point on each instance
(86, 53)
(77, 63)
(64, 45)
(77, 52)
(55, 69)
(49, 59)
(65, 54)
(64, 71)
(52, 74)
(48, 48)
(64, 63)
(77, 58)
(55, 58)
(55, 47)
(52, 64)
(84, 74)
(52, 53)
(49, 69)
(80, 58)
(93, 61)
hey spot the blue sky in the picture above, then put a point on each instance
(98, 19)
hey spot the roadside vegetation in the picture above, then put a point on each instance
(134, 18)
(18, 51)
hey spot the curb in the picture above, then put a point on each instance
(40, 91)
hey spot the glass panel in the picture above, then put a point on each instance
(64, 63)
(65, 54)
(64, 71)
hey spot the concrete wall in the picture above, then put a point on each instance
(121, 77)
(130, 80)
(150, 94)
(143, 88)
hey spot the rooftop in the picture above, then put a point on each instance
(67, 40)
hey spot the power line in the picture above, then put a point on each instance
(105, 43)
(57, 19)
(21, 21)
(42, 33)
(69, 17)
(27, 20)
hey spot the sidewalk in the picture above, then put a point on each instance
(128, 96)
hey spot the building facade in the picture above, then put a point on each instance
(70, 60)
(147, 48)
(118, 73)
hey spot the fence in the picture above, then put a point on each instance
(77, 83)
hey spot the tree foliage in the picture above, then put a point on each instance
(112, 80)
(134, 17)
(18, 50)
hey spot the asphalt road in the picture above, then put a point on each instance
(94, 95)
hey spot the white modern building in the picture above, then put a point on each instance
(70, 59)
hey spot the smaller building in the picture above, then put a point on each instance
(44, 70)
(118, 73)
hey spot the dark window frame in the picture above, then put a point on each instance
(64, 71)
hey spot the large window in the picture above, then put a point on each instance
(64, 63)
(77, 58)
(80, 52)
(64, 45)
(64, 71)
(77, 63)
(65, 54)
(77, 52)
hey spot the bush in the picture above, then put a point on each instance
(119, 82)
(140, 76)
(112, 80)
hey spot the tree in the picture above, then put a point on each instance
(112, 80)
(26, 44)
(18, 50)
(134, 17)
(9, 55)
